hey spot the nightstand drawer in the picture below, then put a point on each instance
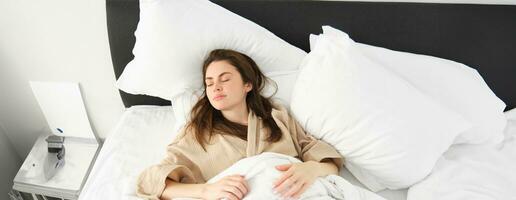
(17, 195)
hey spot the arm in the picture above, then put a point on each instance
(233, 187)
(152, 182)
(312, 149)
(320, 159)
(298, 177)
(328, 167)
(176, 166)
(174, 189)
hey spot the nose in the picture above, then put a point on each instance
(217, 87)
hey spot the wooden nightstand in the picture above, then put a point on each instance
(30, 182)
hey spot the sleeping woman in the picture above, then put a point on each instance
(232, 121)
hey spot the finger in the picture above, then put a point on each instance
(301, 191)
(234, 176)
(237, 175)
(293, 190)
(283, 177)
(283, 167)
(246, 185)
(229, 196)
(239, 184)
(234, 190)
(285, 186)
(241, 179)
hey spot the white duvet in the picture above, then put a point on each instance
(260, 173)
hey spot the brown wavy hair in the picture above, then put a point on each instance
(207, 121)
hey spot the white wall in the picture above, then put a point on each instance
(54, 40)
(9, 165)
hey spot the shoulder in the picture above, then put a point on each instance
(185, 142)
(280, 112)
(185, 137)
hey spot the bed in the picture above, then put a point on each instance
(480, 36)
(125, 153)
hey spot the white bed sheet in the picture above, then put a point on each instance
(139, 140)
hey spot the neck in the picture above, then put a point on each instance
(238, 114)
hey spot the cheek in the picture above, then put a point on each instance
(236, 87)
(208, 93)
(234, 91)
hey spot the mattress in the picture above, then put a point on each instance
(138, 141)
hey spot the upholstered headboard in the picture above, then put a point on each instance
(480, 36)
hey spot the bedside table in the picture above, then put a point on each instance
(30, 182)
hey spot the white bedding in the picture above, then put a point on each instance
(259, 171)
(139, 140)
(473, 172)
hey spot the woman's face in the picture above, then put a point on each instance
(224, 86)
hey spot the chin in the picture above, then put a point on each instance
(222, 105)
(219, 105)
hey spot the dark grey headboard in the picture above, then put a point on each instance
(481, 36)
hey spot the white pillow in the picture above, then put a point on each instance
(174, 37)
(454, 85)
(182, 106)
(511, 114)
(285, 81)
(389, 133)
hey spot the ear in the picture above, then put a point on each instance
(248, 87)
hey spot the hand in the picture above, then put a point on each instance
(233, 187)
(296, 179)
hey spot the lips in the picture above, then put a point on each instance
(219, 97)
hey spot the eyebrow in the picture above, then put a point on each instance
(219, 75)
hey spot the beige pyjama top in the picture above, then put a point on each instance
(192, 164)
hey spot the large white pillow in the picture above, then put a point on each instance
(283, 85)
(389, 133)
(174, 37)
(182, 106)
(452, 84)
